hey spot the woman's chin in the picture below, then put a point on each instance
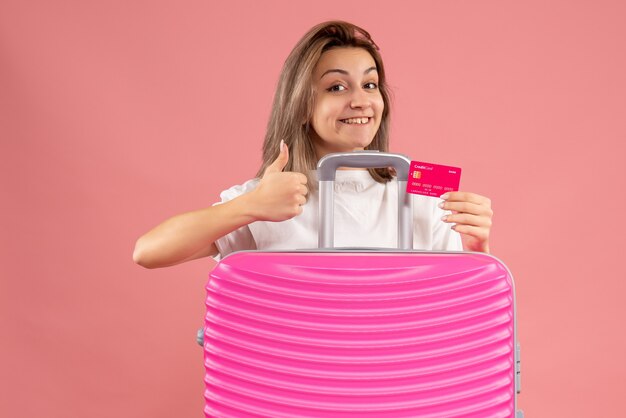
(347, 144)
(361, 140)
(362, 143)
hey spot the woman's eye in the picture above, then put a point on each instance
(336, 87)
(373, 85)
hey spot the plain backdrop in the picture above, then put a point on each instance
(115, 115)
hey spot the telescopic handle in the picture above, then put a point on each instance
(326, 169)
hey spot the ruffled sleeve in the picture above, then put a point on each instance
(240, 239)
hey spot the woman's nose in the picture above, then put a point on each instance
(359, 99)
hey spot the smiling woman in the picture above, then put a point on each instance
(332, 96)
(332, 63)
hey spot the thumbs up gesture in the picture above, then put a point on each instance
(279, 195)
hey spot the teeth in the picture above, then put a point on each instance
(355, 120)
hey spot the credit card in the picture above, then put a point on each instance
(432, 179)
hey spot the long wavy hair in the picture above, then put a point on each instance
(294, 100)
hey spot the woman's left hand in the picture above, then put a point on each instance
(471, 214)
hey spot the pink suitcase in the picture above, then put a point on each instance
(361, 332)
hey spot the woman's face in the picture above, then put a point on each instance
(348, 104)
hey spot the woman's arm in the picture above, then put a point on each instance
(278, 197)
(192, 235)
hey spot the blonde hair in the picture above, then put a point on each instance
(294, 100)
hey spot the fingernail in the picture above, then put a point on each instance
(282, 145)
(444, 196)
(441, 204)
(443, 218)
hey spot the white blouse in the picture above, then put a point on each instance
(366, 215)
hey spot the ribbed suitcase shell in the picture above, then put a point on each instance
(360, 334)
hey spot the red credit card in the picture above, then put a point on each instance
(432, 179)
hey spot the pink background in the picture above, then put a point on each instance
(117, 115)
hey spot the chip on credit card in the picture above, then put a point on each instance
(432, 179)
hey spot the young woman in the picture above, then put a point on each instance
(332, 96)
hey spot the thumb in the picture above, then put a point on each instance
(281, 161)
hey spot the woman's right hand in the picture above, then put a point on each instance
(279, 195)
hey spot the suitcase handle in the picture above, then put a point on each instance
(328, 165)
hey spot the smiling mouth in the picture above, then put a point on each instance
(355, 121)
